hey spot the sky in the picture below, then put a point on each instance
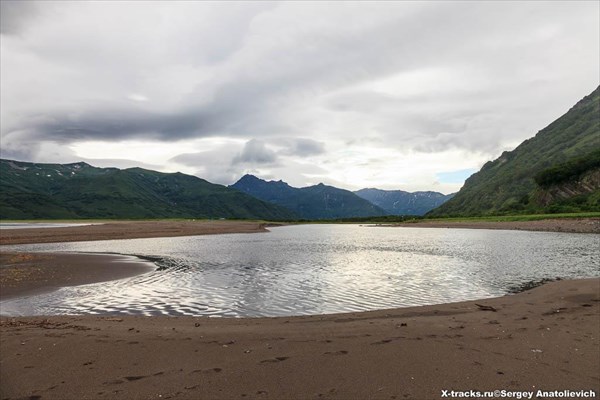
(394, 95)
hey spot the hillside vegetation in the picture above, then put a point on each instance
(79, 190)
(564, 156)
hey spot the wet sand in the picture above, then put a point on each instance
(571, 225)
(24, 274)
(127, 230)
(546, 338)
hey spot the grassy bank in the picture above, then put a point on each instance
(414, 218)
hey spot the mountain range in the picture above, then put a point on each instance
(558, 170)
(79, 190)
(399, 202)
(312, 202)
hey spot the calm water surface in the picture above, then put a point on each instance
(316, 269)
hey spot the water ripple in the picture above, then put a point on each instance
(302, 270)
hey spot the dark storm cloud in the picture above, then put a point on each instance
(121, 124)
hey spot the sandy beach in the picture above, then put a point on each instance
(543, 339)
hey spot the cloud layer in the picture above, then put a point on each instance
(384, 94)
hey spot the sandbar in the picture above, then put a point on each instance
(127, 230)
(25, 274)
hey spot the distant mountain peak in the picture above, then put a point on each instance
(399, 202)
(313, 202)
(249, 177)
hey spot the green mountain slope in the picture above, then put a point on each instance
(313, 202)
(507, 184)
(31, 191)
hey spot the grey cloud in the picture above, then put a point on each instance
(212, 165)
(15, 15)
(125, 123)
(255, 152)
(307, 147)
(37, 151)
(218, 156)
(301, 147)
(254, 84)
(297, 76)
(242, 104)
(191, 159)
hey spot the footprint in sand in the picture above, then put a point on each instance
(336, 353)
(115, 382)
(135, 378)
(206, 371)
(384, 341)
(273, 360)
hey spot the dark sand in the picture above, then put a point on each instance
(571, 225)
(546, 338)
(127, 230)
(23, 274)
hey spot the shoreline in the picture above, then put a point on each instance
(546, 338)
(566, 225)
(152, 229)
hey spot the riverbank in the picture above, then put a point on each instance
(26, 274)
(570, 225)
(543, 339)
(150, 229)
(127, 230)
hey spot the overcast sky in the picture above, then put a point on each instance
(395, 95)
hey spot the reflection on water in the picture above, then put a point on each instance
(315, 269)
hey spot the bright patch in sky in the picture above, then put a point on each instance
(137, 97)
(455, 176)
